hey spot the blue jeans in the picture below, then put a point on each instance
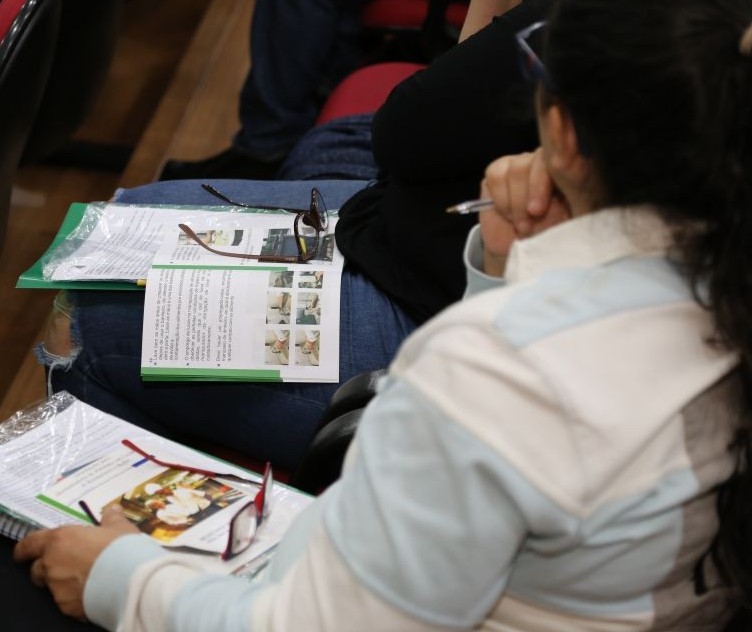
(273, 422)
(299, 48)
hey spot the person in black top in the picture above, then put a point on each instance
(432, 140)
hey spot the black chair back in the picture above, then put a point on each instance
(85, 48)
(28, 33)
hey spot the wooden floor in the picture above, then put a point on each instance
(171, 92)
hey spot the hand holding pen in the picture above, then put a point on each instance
(520, 190)
(522, 197)
(471, 206)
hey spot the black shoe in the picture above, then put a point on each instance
(230, 163)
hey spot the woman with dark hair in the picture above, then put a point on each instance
(550, 453)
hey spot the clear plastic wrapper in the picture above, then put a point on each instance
(67, 248)
(61, 451)
(24, 420)
(118, 242)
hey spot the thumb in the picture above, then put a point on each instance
(114, 518)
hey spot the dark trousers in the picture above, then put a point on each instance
(299, 48)
(26, 608)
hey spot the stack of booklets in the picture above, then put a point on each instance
(63, 462)
(207, 316)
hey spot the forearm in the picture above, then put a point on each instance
(481, 12)
(137, 586)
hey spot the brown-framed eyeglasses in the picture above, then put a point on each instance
(315, 217)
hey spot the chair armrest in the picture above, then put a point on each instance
(322, 463)
(355, 393)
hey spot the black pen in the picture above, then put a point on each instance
(89, 513)
(471, 206)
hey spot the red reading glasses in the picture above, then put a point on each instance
(246, 521)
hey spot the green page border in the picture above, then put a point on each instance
(63, 508)
(207, 375)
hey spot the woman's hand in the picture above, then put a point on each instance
(525, 204)
(62, 558)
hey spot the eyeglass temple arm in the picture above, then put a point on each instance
(218, 194)
(194, 237)
(178, 466)
(237, 255)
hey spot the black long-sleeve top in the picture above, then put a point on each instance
(432, 140)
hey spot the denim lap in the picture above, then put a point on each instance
(263, 421)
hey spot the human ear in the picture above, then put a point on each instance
(572, 172)
(564, 148)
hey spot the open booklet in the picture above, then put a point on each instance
(62, 452)
(209, 316)
(213, 317)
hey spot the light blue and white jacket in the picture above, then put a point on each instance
(542, 457)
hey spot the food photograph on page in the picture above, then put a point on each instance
(174, 501)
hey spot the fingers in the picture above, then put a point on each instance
(32, 546)
(32, 549)
(114, 519)
(507, 184)
(525, 202)
(38, 573)
(540, 186)
(35, 545)
(112, 516)
(61, 559)
(485, 194)
(498, 186)
(518, 182)
(520, 187)
(523, 192)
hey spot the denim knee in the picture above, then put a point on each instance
(61, 344)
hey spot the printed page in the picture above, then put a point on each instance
(260, 234)
(176, 507)
(39, 461)
(120, 242)
(208, 318)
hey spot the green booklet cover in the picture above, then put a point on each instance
(33, 278)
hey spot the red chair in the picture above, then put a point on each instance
(365, 89)
(412, 14)
(28, 33)
(418, 30)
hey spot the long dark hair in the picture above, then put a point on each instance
(664, 88)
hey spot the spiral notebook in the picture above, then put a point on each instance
(62, 451)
